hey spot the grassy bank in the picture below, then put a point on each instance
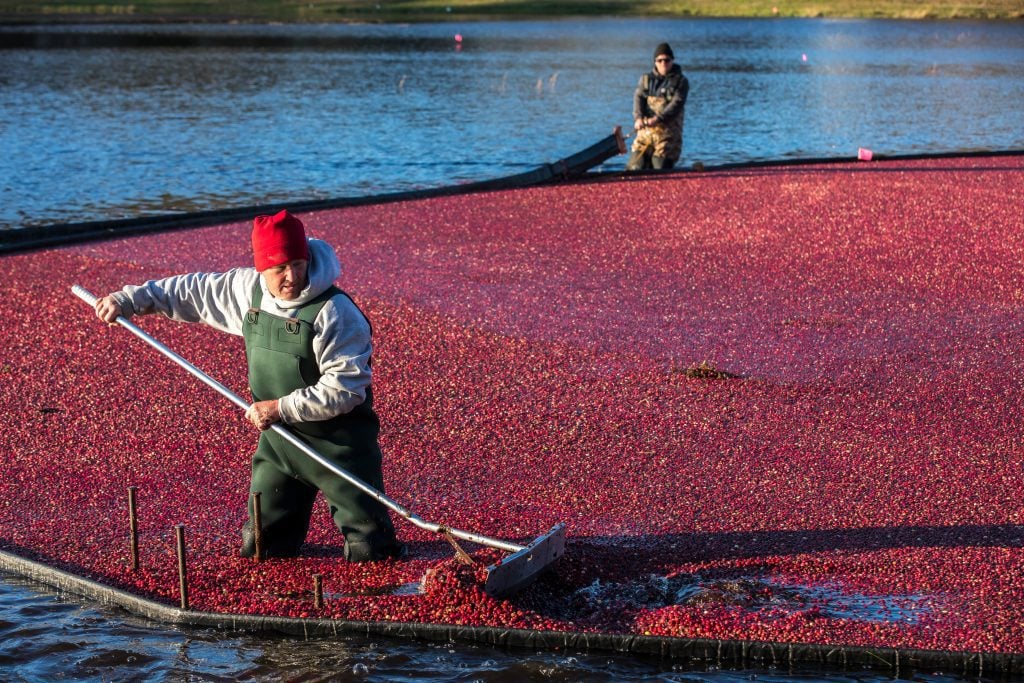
(439, 10)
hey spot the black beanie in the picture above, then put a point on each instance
(663, 49)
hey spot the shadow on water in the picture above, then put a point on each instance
(747, 544)
(660, 553)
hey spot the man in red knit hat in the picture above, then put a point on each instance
(287, 307)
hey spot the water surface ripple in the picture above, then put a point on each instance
(46, 636)
(103, 122)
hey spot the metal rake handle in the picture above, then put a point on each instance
(290, 437)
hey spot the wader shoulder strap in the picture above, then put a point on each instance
(311, 310)
(253, 314)
(257, 294)
(365, 317)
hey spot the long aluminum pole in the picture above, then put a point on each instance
(288, 436)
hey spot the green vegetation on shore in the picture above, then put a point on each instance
(463, 10)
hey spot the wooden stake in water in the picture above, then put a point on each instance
(318, 591)
(179, 532)
(257, 525)
(133, 529)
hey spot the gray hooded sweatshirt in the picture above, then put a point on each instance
(341, 341)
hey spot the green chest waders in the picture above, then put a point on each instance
(280, 355)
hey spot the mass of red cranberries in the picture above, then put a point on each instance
(773, 404)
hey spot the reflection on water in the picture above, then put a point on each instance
(108, 122)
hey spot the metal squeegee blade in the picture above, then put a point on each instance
(513, 572)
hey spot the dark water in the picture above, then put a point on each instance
(110, 122)
(45, 636)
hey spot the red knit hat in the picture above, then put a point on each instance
(278, 239)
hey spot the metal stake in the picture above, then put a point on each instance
(257, 526)
(318, 591)
(133, 529)
(179, 532)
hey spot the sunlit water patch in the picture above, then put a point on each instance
(108, 122)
